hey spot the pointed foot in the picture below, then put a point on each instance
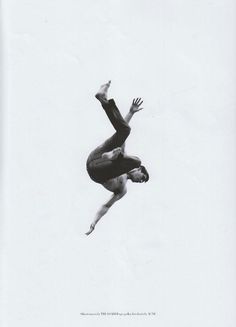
(101, 95)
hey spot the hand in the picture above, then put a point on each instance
(90, 230)
(135, 107)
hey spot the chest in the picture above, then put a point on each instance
(116, 184)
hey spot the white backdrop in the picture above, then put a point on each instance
(169, 245)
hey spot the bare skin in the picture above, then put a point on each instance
(117, 185)
(101, 95)
(112, 155)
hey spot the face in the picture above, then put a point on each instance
(137, 176)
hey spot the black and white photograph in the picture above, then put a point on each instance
(117, 162)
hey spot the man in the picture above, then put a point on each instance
(108, 164)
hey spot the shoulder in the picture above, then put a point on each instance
(121, 185)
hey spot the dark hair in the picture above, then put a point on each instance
(144, 171)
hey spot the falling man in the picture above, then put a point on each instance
(108, 164)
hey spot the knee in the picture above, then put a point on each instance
(123, 133)
(136, 162)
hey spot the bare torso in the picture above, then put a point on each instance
(117, 184)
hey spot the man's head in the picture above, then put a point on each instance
(139, 175)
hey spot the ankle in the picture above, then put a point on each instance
(101, 99)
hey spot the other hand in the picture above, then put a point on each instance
(135, 107)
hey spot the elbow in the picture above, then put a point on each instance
(122, 194)
(106, 207)
(103, 210)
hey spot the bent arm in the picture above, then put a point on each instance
(127, 119)
(135, 107)
(128, 116)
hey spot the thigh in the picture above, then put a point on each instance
(102, 169)
(111, 143)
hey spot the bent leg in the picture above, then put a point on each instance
(113, 154)
(102, 169)
(116, 140)
(124, 164)
(121, 126)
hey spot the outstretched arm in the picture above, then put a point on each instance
(135, 107)
(104, 208)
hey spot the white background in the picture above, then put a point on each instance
(169, 245)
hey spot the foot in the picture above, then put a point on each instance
(112, 155)
(101, 95)
(90, 230)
